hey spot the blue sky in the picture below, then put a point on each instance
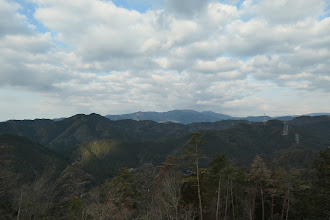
(27, 9)
(238, 57)
(141, 6)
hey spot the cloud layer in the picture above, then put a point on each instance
(238, 58)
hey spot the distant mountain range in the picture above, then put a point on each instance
(177, 116)
(191, 116)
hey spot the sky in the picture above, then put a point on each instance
(59, 58)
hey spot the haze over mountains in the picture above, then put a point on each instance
(190, 116)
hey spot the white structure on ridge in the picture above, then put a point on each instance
(285, 128)
(297, 138)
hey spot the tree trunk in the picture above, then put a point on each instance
(218, 213)
(198, 186)
(253, 205)
(287, 211)
(227, 200)
(232, 197)
(262, 202)
(272, 212)
(20, 204)
(283, 208)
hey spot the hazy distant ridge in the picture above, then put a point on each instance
(191, 116)
(179, 116)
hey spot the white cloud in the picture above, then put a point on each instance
(283, 11)
(12, 22)
(27, 43)
(186, 8)
(220, 65)
(204, 55)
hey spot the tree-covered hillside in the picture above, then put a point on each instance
(77, 129)
(93, 168)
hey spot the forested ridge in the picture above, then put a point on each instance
(89, 167)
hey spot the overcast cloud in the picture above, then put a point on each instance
(60, 58)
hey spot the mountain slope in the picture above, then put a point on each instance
(81, 128)
(25, 158)
(101, 146)
(240, 142)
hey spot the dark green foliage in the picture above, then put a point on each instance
(321, 185)
(218, 163)
(104, 158)
(73, 182)
(76, 210)
(20, 155)
(121, 189)
(85, 181)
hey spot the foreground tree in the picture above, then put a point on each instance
(321, 185)
(194, 151)
(217, 180)
(218, 164)
(168, 188)
(260, 175)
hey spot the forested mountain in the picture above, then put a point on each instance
(99, 142)
(20, 155)
(81, 128)
(75, 162)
